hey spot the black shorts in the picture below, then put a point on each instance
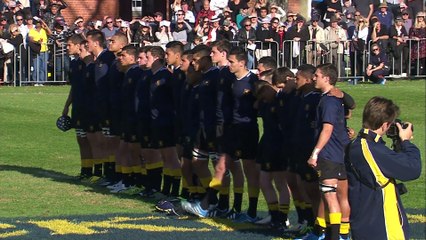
(205, 140)
(270, 155)
(290, 155)
(306, 172)
(240, 141)
(163, 137)
(327, 169)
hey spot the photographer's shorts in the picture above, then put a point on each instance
(327, 169)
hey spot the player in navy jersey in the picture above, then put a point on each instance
(77, 97)
(174, 51)
(304, 142)
(270, 153)
(115, 78)
(241, 138)
(328, 155)
(162, 122)
(103, 60)
(129, 148)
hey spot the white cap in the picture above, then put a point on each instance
(125, 24)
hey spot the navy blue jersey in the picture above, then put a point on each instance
(129, 100)
(287, 105)
(208, 98)
(304, 122)
(330, 110)
(77, 79)
(243, 100)
(102, 64)
(115, 82)
(143, 88)
(224, 114)
(162, 99)
(178, 84)
(191, 118)
(90, 89)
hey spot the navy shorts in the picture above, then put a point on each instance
(205, 140)
(327, 169)
(240, 141)
(270, 155)
(144, 135)
(163, 137)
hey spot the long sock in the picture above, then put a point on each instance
(309, 214)
(298, 206)
(284, 209)
(167, 181)
(97, 170)
(176, 177)
(238, 199)
(273, 210)
(205, 182)
(86, 167)
(143, 178)
(332, 231)
(319, 226)
(344, 229)
(154, 171)
(127, 175)
(253, 200)
(118, 173)
(223, 198)
(185, 190)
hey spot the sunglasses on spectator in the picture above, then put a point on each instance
(405, 14)
(179, 14)
(357, 15)
(375, 49)
(19, 19)
(247, 25)
(109, 22)
(275, 22)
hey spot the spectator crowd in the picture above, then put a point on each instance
(336, 31)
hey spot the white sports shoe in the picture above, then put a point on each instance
(115, 185)
(118, 189)
(264, 221)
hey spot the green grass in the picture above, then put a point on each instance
(38, 162)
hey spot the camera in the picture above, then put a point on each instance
(393, 131)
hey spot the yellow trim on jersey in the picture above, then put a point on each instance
(126, 170)
(166, 172)
(390, 201)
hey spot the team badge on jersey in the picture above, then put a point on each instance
(246, 91)
(238, 153)
(281, 103)
(130, 80)
(272, 109)
(160, 82)
(307, 107)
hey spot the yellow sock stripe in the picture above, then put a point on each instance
(284, 208)
(184, 183)
(201, 189)
(308, 205)
(98, 160)
(273, 206)
(253, 192)
(224, 191)
(344, 228)
(215, 183)
(136, 169)
(239, 190)
(86, 163)
(166, 171)
(205, 181)
(154, 165)
(118, 168)
(321, 222)
(176, 172)
(143, 171)
(192, 189)
(111, 158)
(335, 218)
(126, 170)
(302, 205)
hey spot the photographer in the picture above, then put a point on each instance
(376, 207)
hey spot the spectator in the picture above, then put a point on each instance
(418, 50)
(16, 39)
(205, 12)
(79, 27)
(40, 7)
(10, 13)
(379, 33)
(291, 19)
(247, 35)
(263, 14)
(236, 6)
(49, 17)
(175, 7)
(243, 13)
(314, 49)
(264, 34)
(144, 35)
(378, 66)
(408, 22)
(227, 31)
(4, 33)
(254, 20)
(62, 60)
(399, 47)
(261, 4)
(125, 29)
(365, 7)
(333, 7)
(294, 51)
(276, 12)
(218, 5)
(188, 14)
(359, 43)
(384, 16)
(213, 31)
(164, 35)
(336, 37)
(109, 30)
(158, 17)
(181, 31)
(38, 36)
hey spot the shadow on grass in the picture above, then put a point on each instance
(140, 226)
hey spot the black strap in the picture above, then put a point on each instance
(356, 172)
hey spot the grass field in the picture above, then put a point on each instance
(39, 198)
